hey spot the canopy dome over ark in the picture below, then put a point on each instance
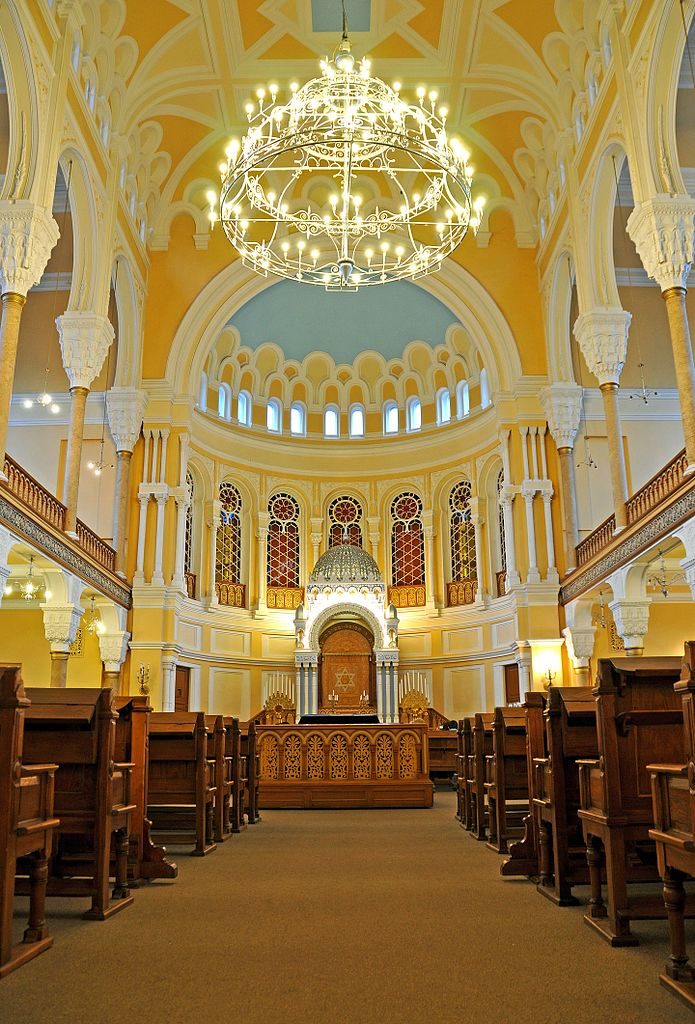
(346, 565)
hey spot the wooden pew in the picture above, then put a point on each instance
(146, 860)
(236, 767)
(461, 792)
(673, 796)
(523, 854)
(638, 719)
(249, 750)
(181, 789)
(570, 727)
(482, 750)
(506, 781)
(27, 824)
(443, 752)
(77, 728)
(220, 765)
(467, 772)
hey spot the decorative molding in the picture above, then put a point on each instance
(563, 411)
(85, 338)
(113, 648)
(58, 549)
(125, 408)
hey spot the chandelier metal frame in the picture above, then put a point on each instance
(291, 199)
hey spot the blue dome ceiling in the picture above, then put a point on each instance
(303, 319)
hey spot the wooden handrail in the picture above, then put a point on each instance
(596, 541)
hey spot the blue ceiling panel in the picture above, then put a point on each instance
(327, 15)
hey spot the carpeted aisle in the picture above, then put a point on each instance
(390, 917)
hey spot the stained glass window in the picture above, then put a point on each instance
(282, 567)
(407, 541)
(462, 534)
(345, 521)
(228, 552)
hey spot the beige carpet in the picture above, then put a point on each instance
(345, 917)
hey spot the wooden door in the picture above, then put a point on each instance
(511, 684)
(182, 690)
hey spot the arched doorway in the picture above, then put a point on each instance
(347, 665)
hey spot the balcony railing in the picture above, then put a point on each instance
(462, 592)
(50, 511)
(191, 580)
(231, 595)
(413, 596)
(284, 597)
(662, 486)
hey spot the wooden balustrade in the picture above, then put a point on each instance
(461, 592)
(191, 580)
(34, 495)
(596, 541)
(284, 597)
(95, 547)
(231, 595)
(408, 597)
(661, 486)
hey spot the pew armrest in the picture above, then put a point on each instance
(38, 769)
(674, 770)
(29, 828)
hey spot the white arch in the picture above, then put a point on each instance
(351, 608)
(21, 180)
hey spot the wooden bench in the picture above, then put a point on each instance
(506, 781)
(146, 860)
(221, 773)
(464, 738)
(443, 751)
(482, 750)
(523, 854)
(27, 824)
(249, 750)
(570, 726)
(638, 721)
(673, 795)
(181, 788)
(236, 767)
(76, 728)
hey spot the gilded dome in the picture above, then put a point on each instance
(345, 564)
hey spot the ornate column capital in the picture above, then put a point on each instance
(602, 336)
(562, 403)
(113, 648)
(663, 230)
(580, 644)
(181, 496)
(632, 621)
(28, 234)
(125, 408)
(60, 623)
(213, 511)
(85, 338)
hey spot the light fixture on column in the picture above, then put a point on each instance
(45, 398)
(402, 199)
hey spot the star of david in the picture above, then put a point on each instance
(344, 680)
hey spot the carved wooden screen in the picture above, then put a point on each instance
(407, 541)
(462, 534)
(283, 542)
(188, 533)
(345, 522)
(228, 553)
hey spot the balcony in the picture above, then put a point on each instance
(28, 509)
(285, 597)
(408, 597)
(653, 512)
(461, 592)
(230, 595)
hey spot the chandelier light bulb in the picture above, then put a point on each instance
(28, 403)
(352, 128)
(44, 399)
(55, 408)
(8, 589)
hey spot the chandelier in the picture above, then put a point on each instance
(29, 589)
(345, 183)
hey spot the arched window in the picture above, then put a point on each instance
(413, 414)
(188, 538)
(463, 399)
(224, 402)
(297, 419)
(282, 566)
(331, 421)
(228, 551)
(243, 408)
(407, 541)
(462, 534)
(345, 521)
(356, 420)
(390, 418)
(443, 406)
(484, 389)
(273, 415)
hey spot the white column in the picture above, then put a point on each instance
(428, 530)
(506, 501)
(214, 510)
(262, 536)
(183, 503)
(630, 608)
(546, 493)
(161, 496)
(113, 648)
(7, 542)
(528, 491)
(144, 499)
(125, 408)
(316, 538)
(563, 409)
(61, 619)
(477, 520)
(168, 682)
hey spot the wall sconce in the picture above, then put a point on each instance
(144, 680)
(550, 676)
